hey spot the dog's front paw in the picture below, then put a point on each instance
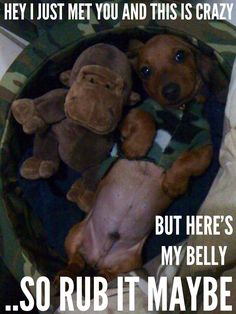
(134, 149)
(138, 131)
(174, 184)
(25, 113)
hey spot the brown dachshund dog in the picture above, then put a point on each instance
(173, 72)
(111, 238)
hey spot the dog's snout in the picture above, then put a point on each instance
(171, 91)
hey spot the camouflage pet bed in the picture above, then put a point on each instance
(33, 215)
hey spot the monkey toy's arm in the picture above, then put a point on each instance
(36, 114)
(138, 131)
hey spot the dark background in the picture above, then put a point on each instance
(10, 292)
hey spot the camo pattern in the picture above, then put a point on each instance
(53, 51)
(179, 130)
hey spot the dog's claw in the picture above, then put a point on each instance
(174, 185)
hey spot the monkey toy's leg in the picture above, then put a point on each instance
(82, 192)
(36, 116)
(45, 160)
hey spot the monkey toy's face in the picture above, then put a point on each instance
(95, 99)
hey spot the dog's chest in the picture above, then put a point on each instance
(178, 130)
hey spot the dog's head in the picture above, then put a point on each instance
(171, 69)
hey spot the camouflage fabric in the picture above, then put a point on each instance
(24, 248)
(179, 130)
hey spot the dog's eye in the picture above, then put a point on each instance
(145, 72)
(180, 56)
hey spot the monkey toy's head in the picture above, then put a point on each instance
(100, 85)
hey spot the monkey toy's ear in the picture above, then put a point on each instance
(134, 98)
(133, 50)
(65, 78)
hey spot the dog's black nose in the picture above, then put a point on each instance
(171, 91)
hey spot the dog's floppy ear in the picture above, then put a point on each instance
(210, 72)
(212, 75)
(133, 50)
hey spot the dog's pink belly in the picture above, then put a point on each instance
(129, 197)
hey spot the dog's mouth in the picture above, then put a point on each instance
(181, 102)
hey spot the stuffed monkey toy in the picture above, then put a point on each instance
(76, 125)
